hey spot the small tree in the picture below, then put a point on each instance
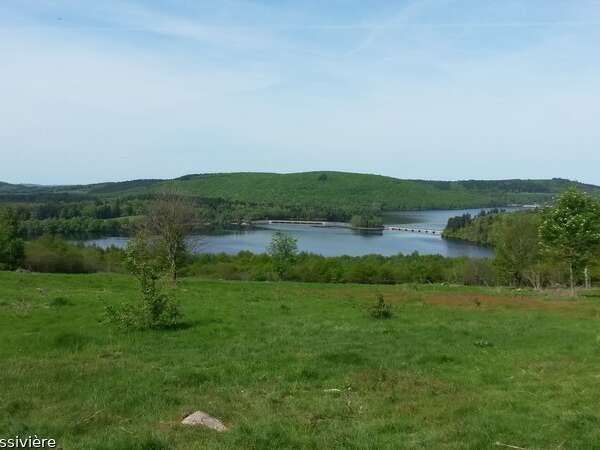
(171, 218)
(570, 231)
(283, 249)
(381, 309)
(156, 309)
(517, 248)
(12, 247)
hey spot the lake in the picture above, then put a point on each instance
(340, 241)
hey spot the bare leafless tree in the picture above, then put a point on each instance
(171, 218)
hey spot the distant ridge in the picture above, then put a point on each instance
(322, 188)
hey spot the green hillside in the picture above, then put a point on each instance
(6, 188)
(340, 188)
(325, 189)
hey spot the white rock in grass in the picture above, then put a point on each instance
(205, 420)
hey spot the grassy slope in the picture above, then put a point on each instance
(260, 356)
(340, 188)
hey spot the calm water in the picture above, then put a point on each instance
(434, 220)
(339, 241)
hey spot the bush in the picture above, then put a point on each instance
(58, 302)
(381, 310)
(155, 309)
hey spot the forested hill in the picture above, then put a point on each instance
(332, 189)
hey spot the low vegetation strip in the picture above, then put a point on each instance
(294, 365)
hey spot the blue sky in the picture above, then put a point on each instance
(118, 89)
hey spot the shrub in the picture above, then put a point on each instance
(155, 309)
(381, 309)
(58, 302)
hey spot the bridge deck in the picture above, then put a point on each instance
(413, 230)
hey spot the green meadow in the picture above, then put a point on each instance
(300, 366)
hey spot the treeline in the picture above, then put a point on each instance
(370, 269)
(114, 217)
(95, 209)
(73, 219)
(77, 227)
(519, 258)
(479, 229)
(223, 213)
(54, 255)
(543, 247)
(51, 254)
(521, 186)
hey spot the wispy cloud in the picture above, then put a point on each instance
(142, 89)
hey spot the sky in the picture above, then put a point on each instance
(108, 90)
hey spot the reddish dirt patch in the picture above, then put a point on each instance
(471, 300)
(475, 300)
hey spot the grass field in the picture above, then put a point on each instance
(455, 368)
